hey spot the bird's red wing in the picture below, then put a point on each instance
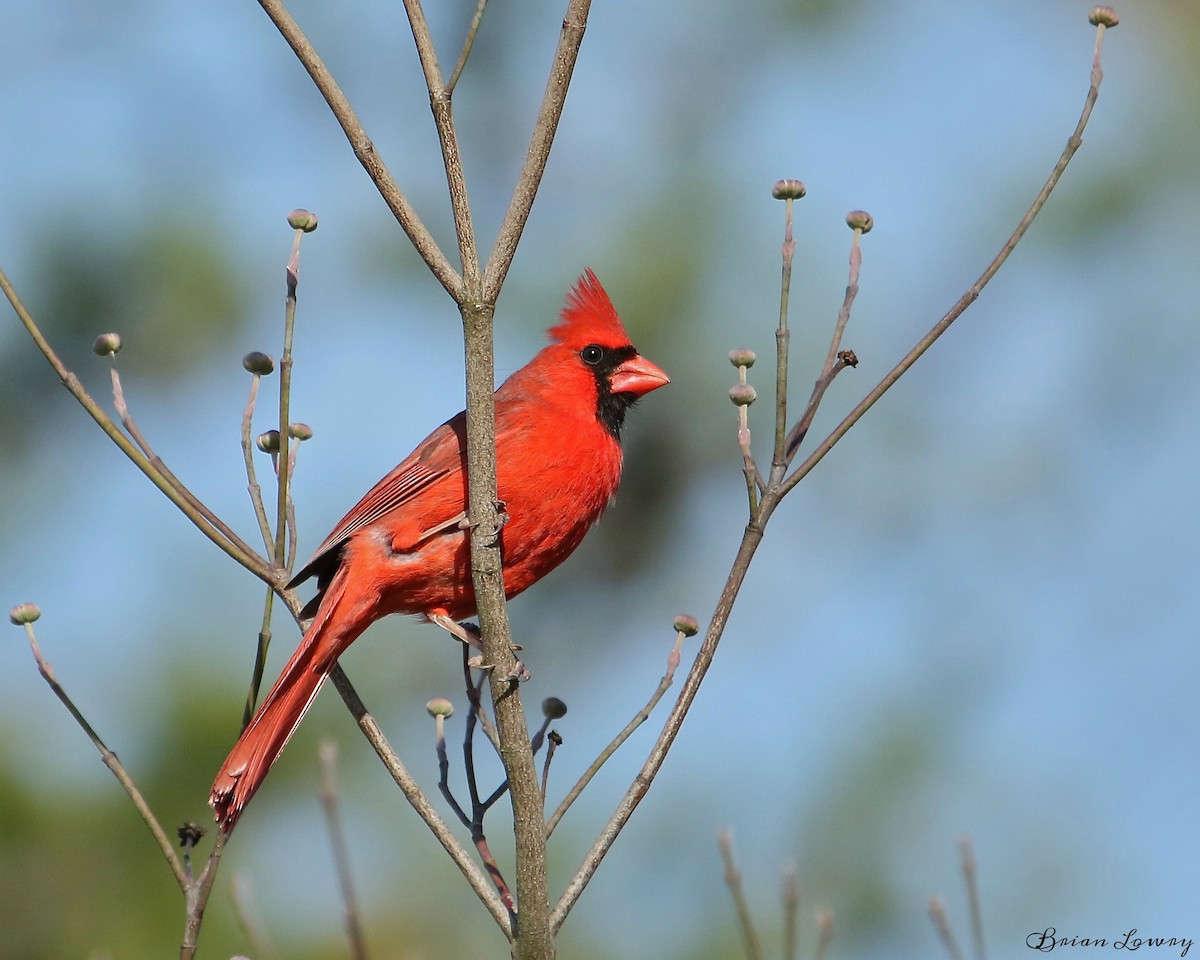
(438, 456)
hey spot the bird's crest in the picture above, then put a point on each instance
(589, 316)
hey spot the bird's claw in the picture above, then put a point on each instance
(520, 673)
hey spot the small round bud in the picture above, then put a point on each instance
(190, 833)
(860, 220)
(301, 431)
(268, 442)
(302, 220)
(107, 345)
(743, 395)
(553, 708)
(24, 613)
(440, 707)
(259, 363)
(687, 625)
(1103, 17)
(788, 190)
(742, 357)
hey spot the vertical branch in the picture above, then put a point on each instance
(341, 855)
(302, 222)
(443, 119)
(534, 937)
(788, 191)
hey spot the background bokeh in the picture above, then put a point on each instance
(977, 617)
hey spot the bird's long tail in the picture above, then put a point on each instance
(339, 621)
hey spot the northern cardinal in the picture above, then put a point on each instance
(404, 547)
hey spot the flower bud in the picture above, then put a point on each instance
(301, 431)
(302, 220)
(743, 395)
(259, 363)
(860, 220)
(1103, 17)
(553, 708)
(107, 345)
(742, 357)
(439, 707)
(268, 442)
(24, 613)
(788, 190)
(687, 625)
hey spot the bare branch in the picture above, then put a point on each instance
(250, 560)
(412, 792)
(972, 294)
(569, 41)
(733, 880)
(341, 857)
(416, 231)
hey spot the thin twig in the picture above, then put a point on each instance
(341, 856)
(824, 934)
(260, 660)
(443, 118)
(569, 41)
(638, 719)
(113, 764)
(468, 43)
(782, 340)
(555, 740)
(252, 485)
(405, 214)
(971, 879)
(283, 460)
(248, 559)
(249, 920)
(790, 896)
(751, 539)
(128, 422)
(937, 914)
(412, 792)
(733, 880)
(833, 363)
(972, 294)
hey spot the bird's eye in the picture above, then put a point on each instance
(592, 354)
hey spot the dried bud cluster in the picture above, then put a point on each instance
(190, 833)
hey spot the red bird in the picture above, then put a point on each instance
(404, 547)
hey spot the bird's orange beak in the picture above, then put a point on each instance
(638, 376)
